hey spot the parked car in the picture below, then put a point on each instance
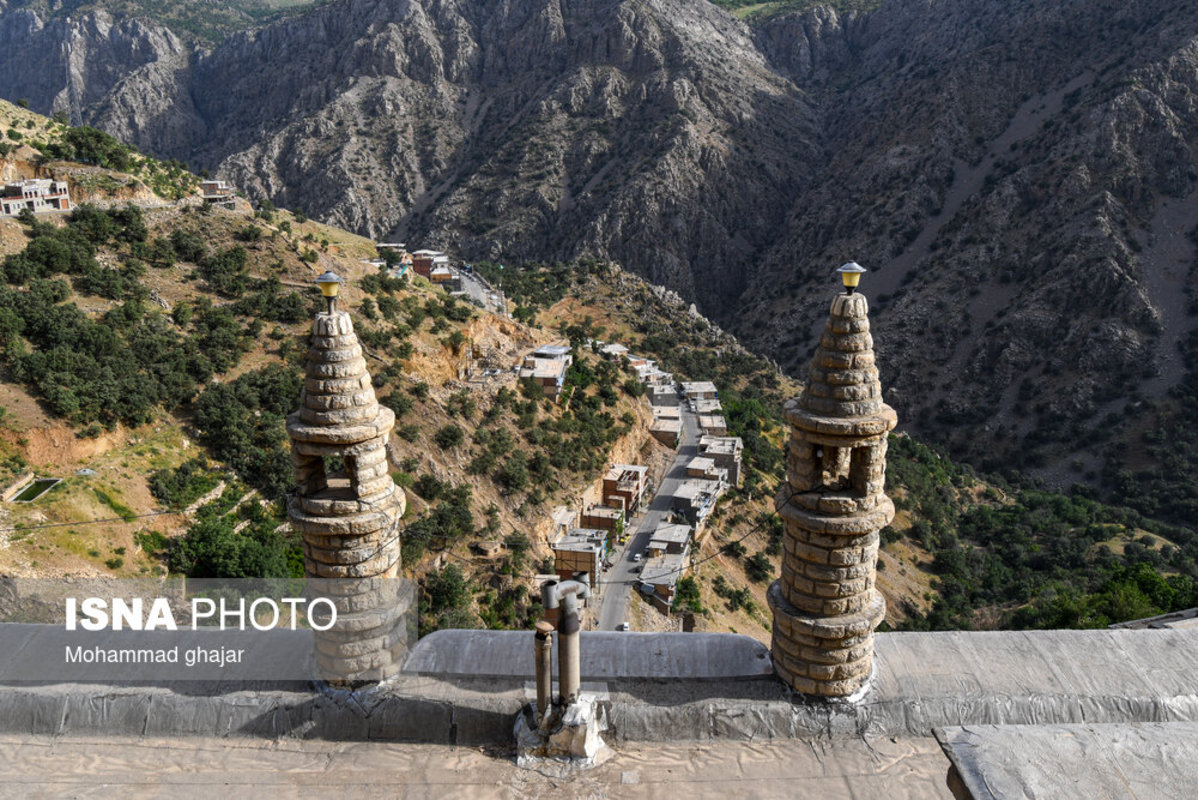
(636, 556)
(623, 626)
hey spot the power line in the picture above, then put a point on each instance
(88, 521)
(704, 560)
(760, 524)
(414, 535)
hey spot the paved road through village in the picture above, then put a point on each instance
(620, 581)
(481, 293)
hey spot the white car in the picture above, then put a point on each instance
(636, 556)
(623, 626)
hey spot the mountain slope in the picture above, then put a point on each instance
(1018, 177)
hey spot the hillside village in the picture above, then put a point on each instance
(611, 521)
(493, 359)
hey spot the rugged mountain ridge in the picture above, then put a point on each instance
(1017, 176)
(514, 130)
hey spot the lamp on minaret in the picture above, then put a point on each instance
(825, 604)
(850, 274)
(330, 283)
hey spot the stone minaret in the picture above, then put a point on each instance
(349, 518)
(825, 605)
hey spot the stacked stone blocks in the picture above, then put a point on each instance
(349, 522)
(825, 605)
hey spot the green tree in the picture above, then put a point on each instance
(513, 474)
(686, 595)
(92, 146)
(759, 568)
(448, 436)
(447, 589)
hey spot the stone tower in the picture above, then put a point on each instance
(348, 514)
(825, 606)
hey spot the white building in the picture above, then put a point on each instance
(37, 195)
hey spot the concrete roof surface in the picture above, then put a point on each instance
(134, 768)
(922, 681)
(1110, 761)
(668, 532)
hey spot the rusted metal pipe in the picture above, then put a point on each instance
(544, 656)
(568, 627)
(566, 595)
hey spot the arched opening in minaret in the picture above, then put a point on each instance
(310, 474)
(866, 464)
(334, 466)
(832, 468)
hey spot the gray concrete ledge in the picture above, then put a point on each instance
(1115, 761)
(604, 655)
(922, 681)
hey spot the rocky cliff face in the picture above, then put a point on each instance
(1019, 177)
(653, 132)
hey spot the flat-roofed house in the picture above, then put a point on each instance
(669, 539)
(650, 375)
(554, 352)
(706, 469)
(37, 195)
(699, 390)
(713, 425)
(635, 361)
(706, 407)
(663, 574)
(561, 520)
(695, 499)
(655, 377)
(663, 396)
(613, 351)
(726, 452)
(602, 518)
(580, 552)
(549, 373)
(423, 261)
(217, 192)
(667, 430)
(624, 486)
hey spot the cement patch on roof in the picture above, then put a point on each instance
(137, 767)
(1112, 761)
